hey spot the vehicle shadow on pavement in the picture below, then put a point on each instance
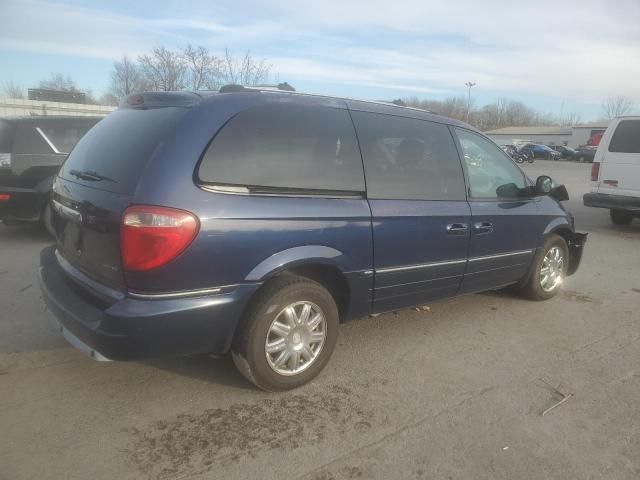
(25, 233)
(218, 370)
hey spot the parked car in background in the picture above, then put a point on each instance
(585, 153)
(615, 173)
(541, 151)
(564, 151)
(31, 152)
(519, 156)
(190, 223)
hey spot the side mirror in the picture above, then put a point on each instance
(544, 185)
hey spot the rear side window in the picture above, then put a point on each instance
(626, 138)
(285, 146)
(7, 132)
(118, 148)
(409, 159)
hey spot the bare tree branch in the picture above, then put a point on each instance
(248, 71)
(12, 90)
(204, 71)
(126, 78)
(617, 106)
(164, 70)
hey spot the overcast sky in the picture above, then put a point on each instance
(554, 55)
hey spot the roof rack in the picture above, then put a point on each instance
(233, 88)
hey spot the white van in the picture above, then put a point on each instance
(615, 174)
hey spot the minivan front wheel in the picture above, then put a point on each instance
(548, 270)
(288, 334)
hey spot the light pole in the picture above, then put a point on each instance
(469, 84)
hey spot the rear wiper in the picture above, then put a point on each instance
(90, 175)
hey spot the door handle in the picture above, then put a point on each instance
(482, 227)
(457, 228)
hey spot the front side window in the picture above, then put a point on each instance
(492, 174)
(287, 146)
(408, 159)
(626, 138)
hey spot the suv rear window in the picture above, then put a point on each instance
(7, 131)
(50, 136)
(285, 146)
(118, 147)
(626, 138)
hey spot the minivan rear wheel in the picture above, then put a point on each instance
(620, 217)
(548, 270)
(288, 334)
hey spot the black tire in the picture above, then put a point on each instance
(248, 349)
(533, 289)
(47, 222)
(581, 158)
(620, 217)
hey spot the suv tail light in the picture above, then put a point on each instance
(595, 171)
(153, 236)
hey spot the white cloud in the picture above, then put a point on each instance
(579, 50)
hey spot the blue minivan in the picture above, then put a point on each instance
(255, 221)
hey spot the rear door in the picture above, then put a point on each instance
(505, 228)
(415, 186)
(98, 181)
(619, 154)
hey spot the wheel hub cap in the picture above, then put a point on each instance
(552, 269)
(295, 338)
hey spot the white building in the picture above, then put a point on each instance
(570, 136)
(17, 107)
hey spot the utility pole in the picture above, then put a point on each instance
(469, 84)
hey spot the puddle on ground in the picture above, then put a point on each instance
(196, 443)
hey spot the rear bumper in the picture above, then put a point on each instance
(24, 205)
(613, 202)
(135, 329)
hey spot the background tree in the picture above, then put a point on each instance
(12, 90)
(126, 78)
(616, 106)
(164, 70)
(204, 70)
(247, 71)
(59, 81)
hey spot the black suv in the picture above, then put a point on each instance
(31, 152)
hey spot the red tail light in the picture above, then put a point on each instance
(595, 171)
(153, 236)
(4, 197)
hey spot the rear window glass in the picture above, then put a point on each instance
(6, 136)
(626, 138)
(409, 159)
(286, 146)
(50, 136)
(117, 149)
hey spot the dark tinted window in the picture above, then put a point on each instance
(408, 159)
(119, 146)
(29, 141)
(286, 146)
(626, 138)
(7, 132)
(492, 174)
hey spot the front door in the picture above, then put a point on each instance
(420, 217)
(505, 228)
